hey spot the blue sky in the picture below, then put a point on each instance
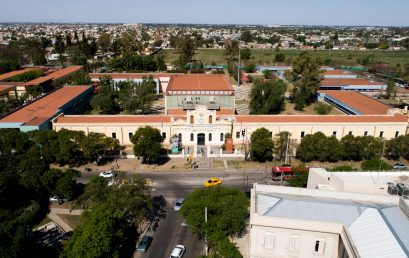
(303, 12)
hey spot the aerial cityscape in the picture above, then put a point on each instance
(204, 130)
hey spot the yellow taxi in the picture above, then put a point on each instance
(212, 182)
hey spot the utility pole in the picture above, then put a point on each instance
(285, 160)
(206, 231)
(238, 67)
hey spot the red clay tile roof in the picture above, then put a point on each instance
(114, 119)
(359, 102)
(61, 73)
(322, 119)
(7, 76)
(46, 106)
(224, 112)
(176, 112)
(199, 82)
(128, 75)
(347, 81)
(6, 88)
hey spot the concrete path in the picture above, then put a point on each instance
(53, 215)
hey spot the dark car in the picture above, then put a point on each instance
(144, 244)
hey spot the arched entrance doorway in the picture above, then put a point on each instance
(201, 139)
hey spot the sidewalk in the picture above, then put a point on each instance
(53, 215)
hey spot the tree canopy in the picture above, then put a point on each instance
(267, 96)
(261, 145)
(306, 78)
(222, 222)
(147, 144)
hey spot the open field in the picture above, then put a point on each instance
(266, 56)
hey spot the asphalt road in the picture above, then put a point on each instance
(171, 232)
(173, 185)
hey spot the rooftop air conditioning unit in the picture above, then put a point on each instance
(392, 189)
(403, 190)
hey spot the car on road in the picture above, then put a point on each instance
(213, 182)
(144, 244)
(106, 174)
(56, 199)
(178, 204)
(399, 166)
(178, 251)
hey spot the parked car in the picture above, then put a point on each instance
(213, 182)
(399, 166)
(178, 204)
(178, 251)
(106, 174)
(144, 244)
(56, 199)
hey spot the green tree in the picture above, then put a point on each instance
(283, 145)
(250, 68)
(306, 78)
(318, 147)
(375, 164)
(222, 222)
(398, 147)
(267, 96)
(104, 42)
(231, 49)
(33, 48)
(97, 145)
(279, 57)
(186, 50)
(361, 147)
(261, 145)
(390, 89)
(60, 48)
(245, 53)
(147, 144)
(246, 36)
(138, 96)
(322, 108)
(105, 100)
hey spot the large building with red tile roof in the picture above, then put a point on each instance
(354, 103)
(190, 90)
(38, 114)
(202, 131)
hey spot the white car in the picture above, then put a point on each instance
(106, 174)
(178, 251)
(178, 204)
(56, 199)
(399, 166)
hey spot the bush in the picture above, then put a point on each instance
(27, 76)
(322, 108)
(375, 164)
(342, 168)
(218, 72)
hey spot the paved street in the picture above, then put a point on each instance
(176, 184)
(171, 232)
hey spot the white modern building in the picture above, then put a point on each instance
(310, 223)
(355, 182)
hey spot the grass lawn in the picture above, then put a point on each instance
(234, 164)
(266, 56)
(308, 110)
(73, 220)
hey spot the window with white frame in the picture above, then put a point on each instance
(319, 245)
(269, 239)
(293, 243)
